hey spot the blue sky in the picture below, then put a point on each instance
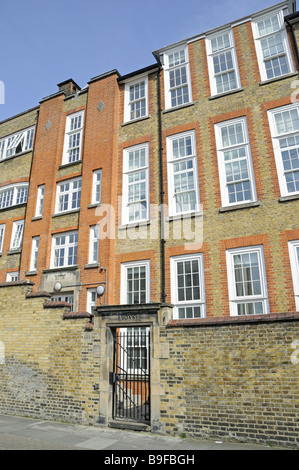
(46, 42)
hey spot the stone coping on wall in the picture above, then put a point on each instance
(16, 283)
(218, 321)
(38, 294)
(74, 315)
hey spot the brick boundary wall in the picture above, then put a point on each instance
(50, 369)
(233, 378)
(228, 378)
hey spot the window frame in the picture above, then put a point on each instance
(67, 245)
(93, 239)
(124, 279)
(258, 39)
(170, 172)
(2, 233)
(95, 184)
(167, 70)
(275, 136)
(40, 200)
(294, 261)
(211, 55)
(70, 192)
(234, 300)
(132, 350)
(11, 275)
(66, 160)
(63, 297)
(34, 253)
(14, 198)
(221, 149)
(126, 173)
(14, 233)
(128, 102)
(89, 302)
(24, 137)
(174, 260)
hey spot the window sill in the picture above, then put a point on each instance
(92, 266)
(17, 251)
(239, 206)
(184, 215)
(277, 79)
(142, 223)
(94, 205)
(226, 93)
(175, 108)
(126, 123)
(66, 165)
(64, 268)
(31, 273)
(38, 217)
(61, 214)
(288, 198)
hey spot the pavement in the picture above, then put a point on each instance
(19, 433)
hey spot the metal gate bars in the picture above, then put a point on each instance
(131, 374)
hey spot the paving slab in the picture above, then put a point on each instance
(19, 433)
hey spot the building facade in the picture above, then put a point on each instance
(175, 184)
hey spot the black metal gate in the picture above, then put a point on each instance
(131, 374)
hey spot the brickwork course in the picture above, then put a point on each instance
(218, 374)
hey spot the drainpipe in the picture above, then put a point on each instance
(162, 233)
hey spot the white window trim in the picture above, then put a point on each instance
(221, 162)
(277, 153)
(170, 162)
(10, 143)
(12, 276)
(293, 245)
(95, 183)
(70, 192)
(64, 297)
(126, 173)
(132, 264)
(210, 56)
(233, 298)
(123, 339)
(89, 302)
(167, 70)
(68, 132)
(258, 39)
(15, 188)
(2, 232)
(174, 285)
(67, 245)
(93, 238)
(16, 224)
(34, 253)
(40, 200)
(127, 103)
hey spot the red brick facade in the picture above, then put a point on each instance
(268, 223)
